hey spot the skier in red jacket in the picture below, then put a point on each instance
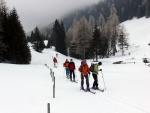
(55, 62)
(71, 67)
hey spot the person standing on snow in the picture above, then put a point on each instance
(72, 68)
(55, 62)
(95, 77)
(66, 64)
(84, 69)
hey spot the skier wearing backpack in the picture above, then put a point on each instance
(66, 64)
(71, 67)
(85, 70)
(94, 74)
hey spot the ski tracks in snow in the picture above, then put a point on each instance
(134, 108)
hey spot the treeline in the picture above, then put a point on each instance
(57, 39)
(13, 44)
(80, 27)
(96, 39)
(126, 9)
(90, 33)
(90, 38)
(37, 40)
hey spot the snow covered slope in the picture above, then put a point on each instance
(28, 88)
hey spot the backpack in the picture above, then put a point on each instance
(66, 64)
(92, 67)
(71, 66)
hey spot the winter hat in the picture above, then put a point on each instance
(84, 61)
(100, 63)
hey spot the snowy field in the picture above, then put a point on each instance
(28, 88)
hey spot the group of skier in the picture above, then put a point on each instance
(85, 70)
(70, 67)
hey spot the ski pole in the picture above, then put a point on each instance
(103, 80)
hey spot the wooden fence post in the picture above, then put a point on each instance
(48, 108)
(53, 76)
(54, 88)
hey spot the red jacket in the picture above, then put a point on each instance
(71, 66)
(84, 69)
(55, 60)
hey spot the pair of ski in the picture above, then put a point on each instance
(88, 91)
(102, 90)
(75, 81)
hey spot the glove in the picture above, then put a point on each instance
(100, 70)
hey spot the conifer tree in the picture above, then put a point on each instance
(95, 44)
(58, 37)
(18, 49)
(13, 45)
(68, 40)
(62, 44)
(104, 47)
(114, 22)
(92, 23)
(32, 37)
(147, 14)
(82, 37)
(79, 37)
(48, 44)
(6, 37)
(2, 50)
(53, 39)
(101, 23)
(123, 40)
(2, 44)
(38, 43)
(55, 35)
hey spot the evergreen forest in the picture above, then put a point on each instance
(13, 43)
(92, 32)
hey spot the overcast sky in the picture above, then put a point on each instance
(42, 12)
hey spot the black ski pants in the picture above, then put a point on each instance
(82, 80)
(95, 83)
(72, 72)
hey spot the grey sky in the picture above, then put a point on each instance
(43, 12)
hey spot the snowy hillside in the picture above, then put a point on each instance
(28, 88)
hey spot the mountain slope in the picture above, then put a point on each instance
(126, 10)
(28, 88)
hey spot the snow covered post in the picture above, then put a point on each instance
(53, 76)
(48, 108)
(54, 88)
(51, 73)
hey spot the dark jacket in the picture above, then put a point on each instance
(71, 65)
